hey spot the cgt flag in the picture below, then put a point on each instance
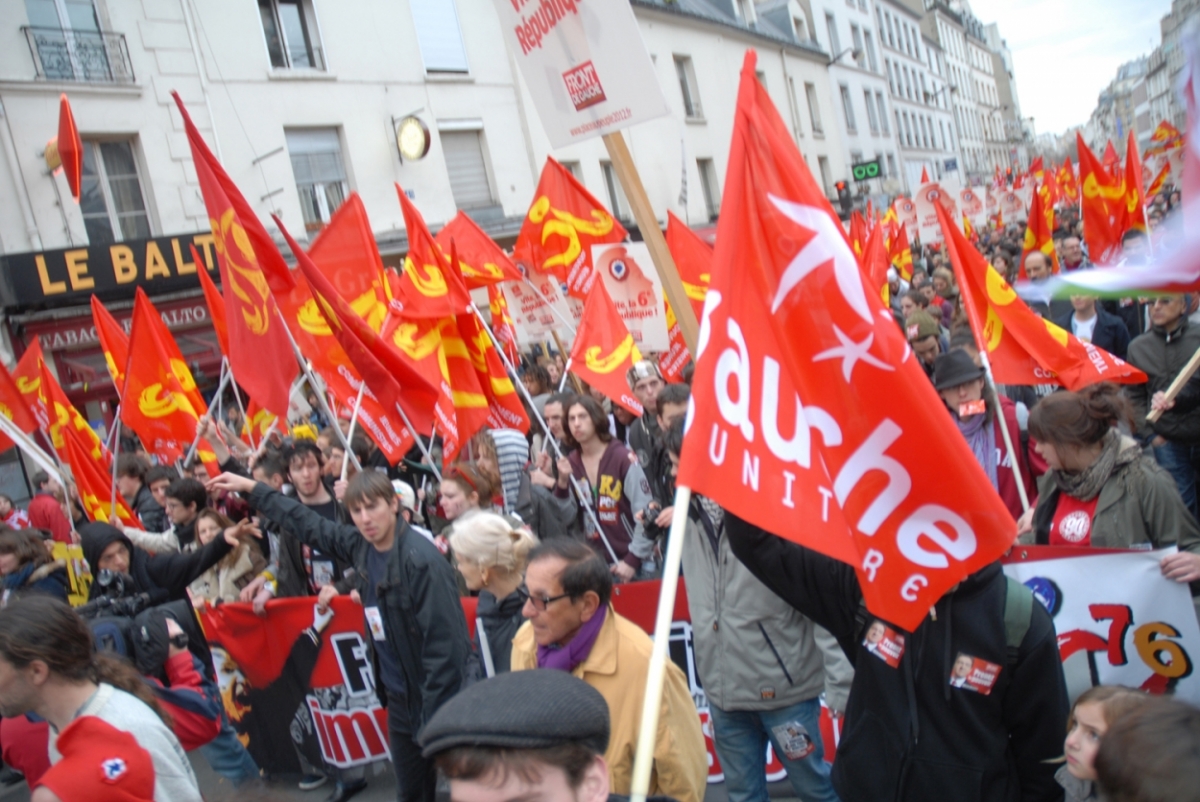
(27, 376)
(900, 252)
(1021, 346)
(482, 261)
(603, 351)
(346, 253)
(216, 303)
(1135, 202)
(13, 407)
(562, 225)
(822, 432)
(693, 256)
(1039, 233)
(1103, 206)
(1067, 185)
(114, 342)
(426, 289)
(64, 417)
(503, 325)
(91, 468)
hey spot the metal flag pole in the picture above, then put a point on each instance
(583, 499)
(237, 396)
(44, 461)
(566, 372)
(420, 443)
(350, 434)
(1008, 444)
(207, 417)
(550, 306)
(116, 453)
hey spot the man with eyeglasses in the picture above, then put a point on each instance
(1161, 353)
(573, 628)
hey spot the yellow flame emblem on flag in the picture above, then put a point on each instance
(1093, 189)
(28, 386)
(607, 364)
(568, 226)
(415, 347)
(158, 402)
(245, 279)
(432, 284)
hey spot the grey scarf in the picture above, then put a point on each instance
(1086, 484)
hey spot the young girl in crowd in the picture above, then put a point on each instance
(225, 580)
(1094, 712)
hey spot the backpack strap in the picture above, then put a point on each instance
(1018, 613)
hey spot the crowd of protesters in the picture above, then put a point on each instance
(543, 526)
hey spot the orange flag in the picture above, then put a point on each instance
(924, 175)
(1038, 233)
(482, 261)
(900, 252)
(426, 288)
(1021, 346)
(693, 257)
(858, 235)
(603, 351)
(812, 418)
(161, 402)
(1135, 202)
(64, 417)
(562, 225)
(1112, 162)
(260, 352)
(113, 342)
(27, 376)
(216, 303)
(91, 467)
(13, 407)
(1066, 181)
(875, 265)
(345, 251)
(1103, 206)
(1159, 181)
(503, 326)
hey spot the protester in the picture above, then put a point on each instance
(970, 400)
(100, 763)
(12, 515)
(184, 499)
(1093, 713)
(506, 453)
(465, 489)
(1071, 256)
(925, 338)
(225, 580)
(27, 567)
(1037, 270)
(410, 602)
(919, 738)
(158, 479)
(1161, 354)
(1151, 754)
(1091, 324)
(46, 508)
(131, 484)
(645, 380)
(491, 554)
(49, 666)
(762, 664)
(537, 382)
(573, 628)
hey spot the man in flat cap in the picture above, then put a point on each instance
(522, 735)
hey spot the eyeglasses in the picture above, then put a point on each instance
(542, 602)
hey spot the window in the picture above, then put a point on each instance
(320, 173)
(110, 195)
(907, 41)
(860, 58)
(942, 128)
(908, 90)
(872, 119)
(891, 32)
(899, 129)
(883, 120)
(617, 203)
(574, 168)
(814, 110)
(891, 160)
(848, 107)
(826, 175)
(708, 182)
(290, 28)
(801, 27)
(879, 158)
(835, 44)
(797, 127)
(687, 86)
(891, 78)
(439, 36)
(468, 171)
(870, 45)
(924, 141)
(907, 131)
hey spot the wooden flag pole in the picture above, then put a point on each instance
(1008, 443)
(643, 213)
(563, 353)
(1184, 376)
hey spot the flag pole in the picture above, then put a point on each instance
(583, 499)
(420, 443)
(550, 306)
(116, 453)
(350, 434)
(237, 396)
(44, 461)
(207, 417)
(643, 760)
(1008, 444)
(574, 379)
(566, 372)
(1181, 379)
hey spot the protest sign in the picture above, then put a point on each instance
(634, 286)
(973, 203)
(1119, 620)
(585, 64)
(906, 213)
(530, 306)
(1012, 207)
(927, 219)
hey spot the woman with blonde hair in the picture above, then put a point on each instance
(491, 555)
(225, 580)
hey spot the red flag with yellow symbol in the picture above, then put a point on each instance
(503, 325)
(812, 418)
(91, 468)
(603, 351)
(425, 289)
(1068, 187)
(1022, 347)
(693, 258)
(563, 223)
(13, 407)
(672, 361)
(160, 401)
(345, 251)
(258, 422)
(482, 262)
(900, 252)
(27, 376)
(1112, 162)
(1102, 198)
(858, 235)
(1039, 231)
(64, 417)
(216, 303)
(113, 342)
(251, 267)
(1135, 202)
(505, 410)
(875, 265)
(1159, 181)
(1165, 138)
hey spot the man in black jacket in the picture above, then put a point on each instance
(410, 601)
(1088, 321)
(131, 482)
(947, 712)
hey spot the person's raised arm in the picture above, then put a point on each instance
(175, 572)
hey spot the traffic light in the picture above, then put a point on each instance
(843, 193)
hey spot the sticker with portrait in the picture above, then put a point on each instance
(884, 642)
(973, 674)
(794, 740)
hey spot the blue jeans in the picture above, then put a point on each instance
(741, 740)
(228, 757)
(1183, 463)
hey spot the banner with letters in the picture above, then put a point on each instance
(1119, 620)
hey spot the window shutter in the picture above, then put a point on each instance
(467, 169)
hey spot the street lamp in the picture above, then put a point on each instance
(854, 51)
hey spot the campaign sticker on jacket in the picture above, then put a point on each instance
(375, 623)
(884, 642)
(794, 739)
(973, 674)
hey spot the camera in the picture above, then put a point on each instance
(648, 517)
(116, 597)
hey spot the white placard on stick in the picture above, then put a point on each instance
(633, 284)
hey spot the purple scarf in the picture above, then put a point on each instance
(566, 658)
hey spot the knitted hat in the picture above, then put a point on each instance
(921, 325)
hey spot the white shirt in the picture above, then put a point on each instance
(1084, 329)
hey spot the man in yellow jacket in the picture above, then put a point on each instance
(573, 628)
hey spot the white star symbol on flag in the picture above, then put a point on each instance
(851, 352)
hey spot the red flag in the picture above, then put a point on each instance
(1159, 181)
(1112, 162)
(784, 274)
(1037, 169)
(1039, 233)
(562, 225)
(64, 417)
(858, 235)
(1103, 206)
(1135, 202)
(427, 288)
(505, 410)
(693, 258)
(346, 253)
(27, 376)
(925, 175)
(216, 303)
(603, 351)
(875, 265)
(113, 342)
(482, 261)
(91, 468)
(672, 361)
(1066, 181)
(260, 352)
(900, 252)
(258, 421)
(70, 147)
(13, 407)
(1021, 346)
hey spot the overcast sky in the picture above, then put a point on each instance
(1065, 52)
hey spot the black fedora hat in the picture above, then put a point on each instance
(954, 368)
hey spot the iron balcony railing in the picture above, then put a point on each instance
(86, 56)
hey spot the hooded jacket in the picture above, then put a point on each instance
(164, 576)
(1161, 354)
(154, 518)
(50, 578)
(910, 736)
(501, 618)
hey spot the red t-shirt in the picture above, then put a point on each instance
(1072, 524)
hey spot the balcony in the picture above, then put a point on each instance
(83, 56)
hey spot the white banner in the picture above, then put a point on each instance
(973, 202)
(633, 284)
(1119, 620)
(927, 219)
(530, 307)
(585, 64)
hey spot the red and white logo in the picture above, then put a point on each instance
(583, 84)
(1075, 526)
